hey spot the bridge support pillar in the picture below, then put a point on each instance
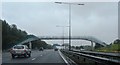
(30, 45)
(92, 47)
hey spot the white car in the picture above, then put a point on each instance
(20, 50)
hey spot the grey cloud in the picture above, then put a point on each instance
(93, 19)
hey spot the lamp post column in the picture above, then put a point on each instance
(69, 26)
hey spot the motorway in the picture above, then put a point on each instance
(0, 57)
(46, 56)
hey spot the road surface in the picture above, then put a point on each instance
(46, 56)
(0, 57)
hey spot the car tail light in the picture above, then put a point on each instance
(24, 50)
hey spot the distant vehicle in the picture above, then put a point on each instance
(82, 49)
(20, 50)
(41, 49)
(56, 49)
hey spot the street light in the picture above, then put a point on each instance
(63, 32)
(69, 19)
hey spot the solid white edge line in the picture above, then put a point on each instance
(71, 60)
(63, 58)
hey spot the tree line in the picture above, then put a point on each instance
(38, 43)
(11, 35)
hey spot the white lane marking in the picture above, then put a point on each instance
(64, 58)
(71, 60)
(33, 58)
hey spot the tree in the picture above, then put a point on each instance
(39, 43)
(81, 47)
(10, 34)
(117, 41)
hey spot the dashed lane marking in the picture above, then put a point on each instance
(33, 58)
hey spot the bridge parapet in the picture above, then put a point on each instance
(89, 38)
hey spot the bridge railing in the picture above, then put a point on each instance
(89, 38)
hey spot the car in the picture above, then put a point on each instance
(20, 50)
(56, 49)
(41, 49)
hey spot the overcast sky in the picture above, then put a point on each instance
(40, 18)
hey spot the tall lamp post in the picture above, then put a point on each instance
(62, 32)
(69, 19)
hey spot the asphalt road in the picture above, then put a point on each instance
(46, 56)
(0, 57)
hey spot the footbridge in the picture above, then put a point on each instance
(87, 38)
